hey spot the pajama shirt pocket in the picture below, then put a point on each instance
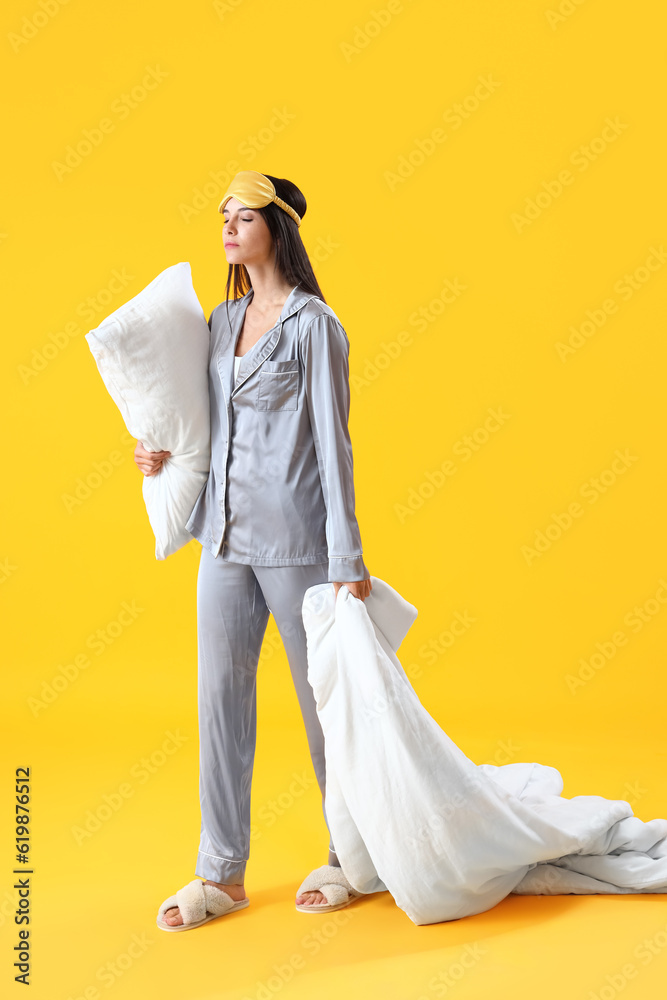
(278, 387)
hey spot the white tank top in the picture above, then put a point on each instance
(237, 365)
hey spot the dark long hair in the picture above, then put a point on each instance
(292, 261)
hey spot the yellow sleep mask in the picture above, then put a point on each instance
(254, 190)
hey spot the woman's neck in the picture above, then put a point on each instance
(269, 292)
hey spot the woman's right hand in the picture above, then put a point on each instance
(150, 462)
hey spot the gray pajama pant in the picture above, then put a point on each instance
(233, 606)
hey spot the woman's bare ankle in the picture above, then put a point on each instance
(233, 889)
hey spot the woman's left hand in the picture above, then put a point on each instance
(358, 588)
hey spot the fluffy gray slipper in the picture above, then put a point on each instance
(198, 903)
(334, 886)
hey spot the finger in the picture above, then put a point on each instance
(140, 450)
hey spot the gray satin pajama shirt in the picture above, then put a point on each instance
(275, 516)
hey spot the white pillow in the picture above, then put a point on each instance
(152, 354)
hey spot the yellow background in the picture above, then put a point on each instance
(360, 88)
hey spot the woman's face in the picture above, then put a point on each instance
(245, 235)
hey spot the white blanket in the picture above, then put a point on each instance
(411, 814)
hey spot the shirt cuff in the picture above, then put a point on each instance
(347, 569)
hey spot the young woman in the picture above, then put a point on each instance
(275, 517)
